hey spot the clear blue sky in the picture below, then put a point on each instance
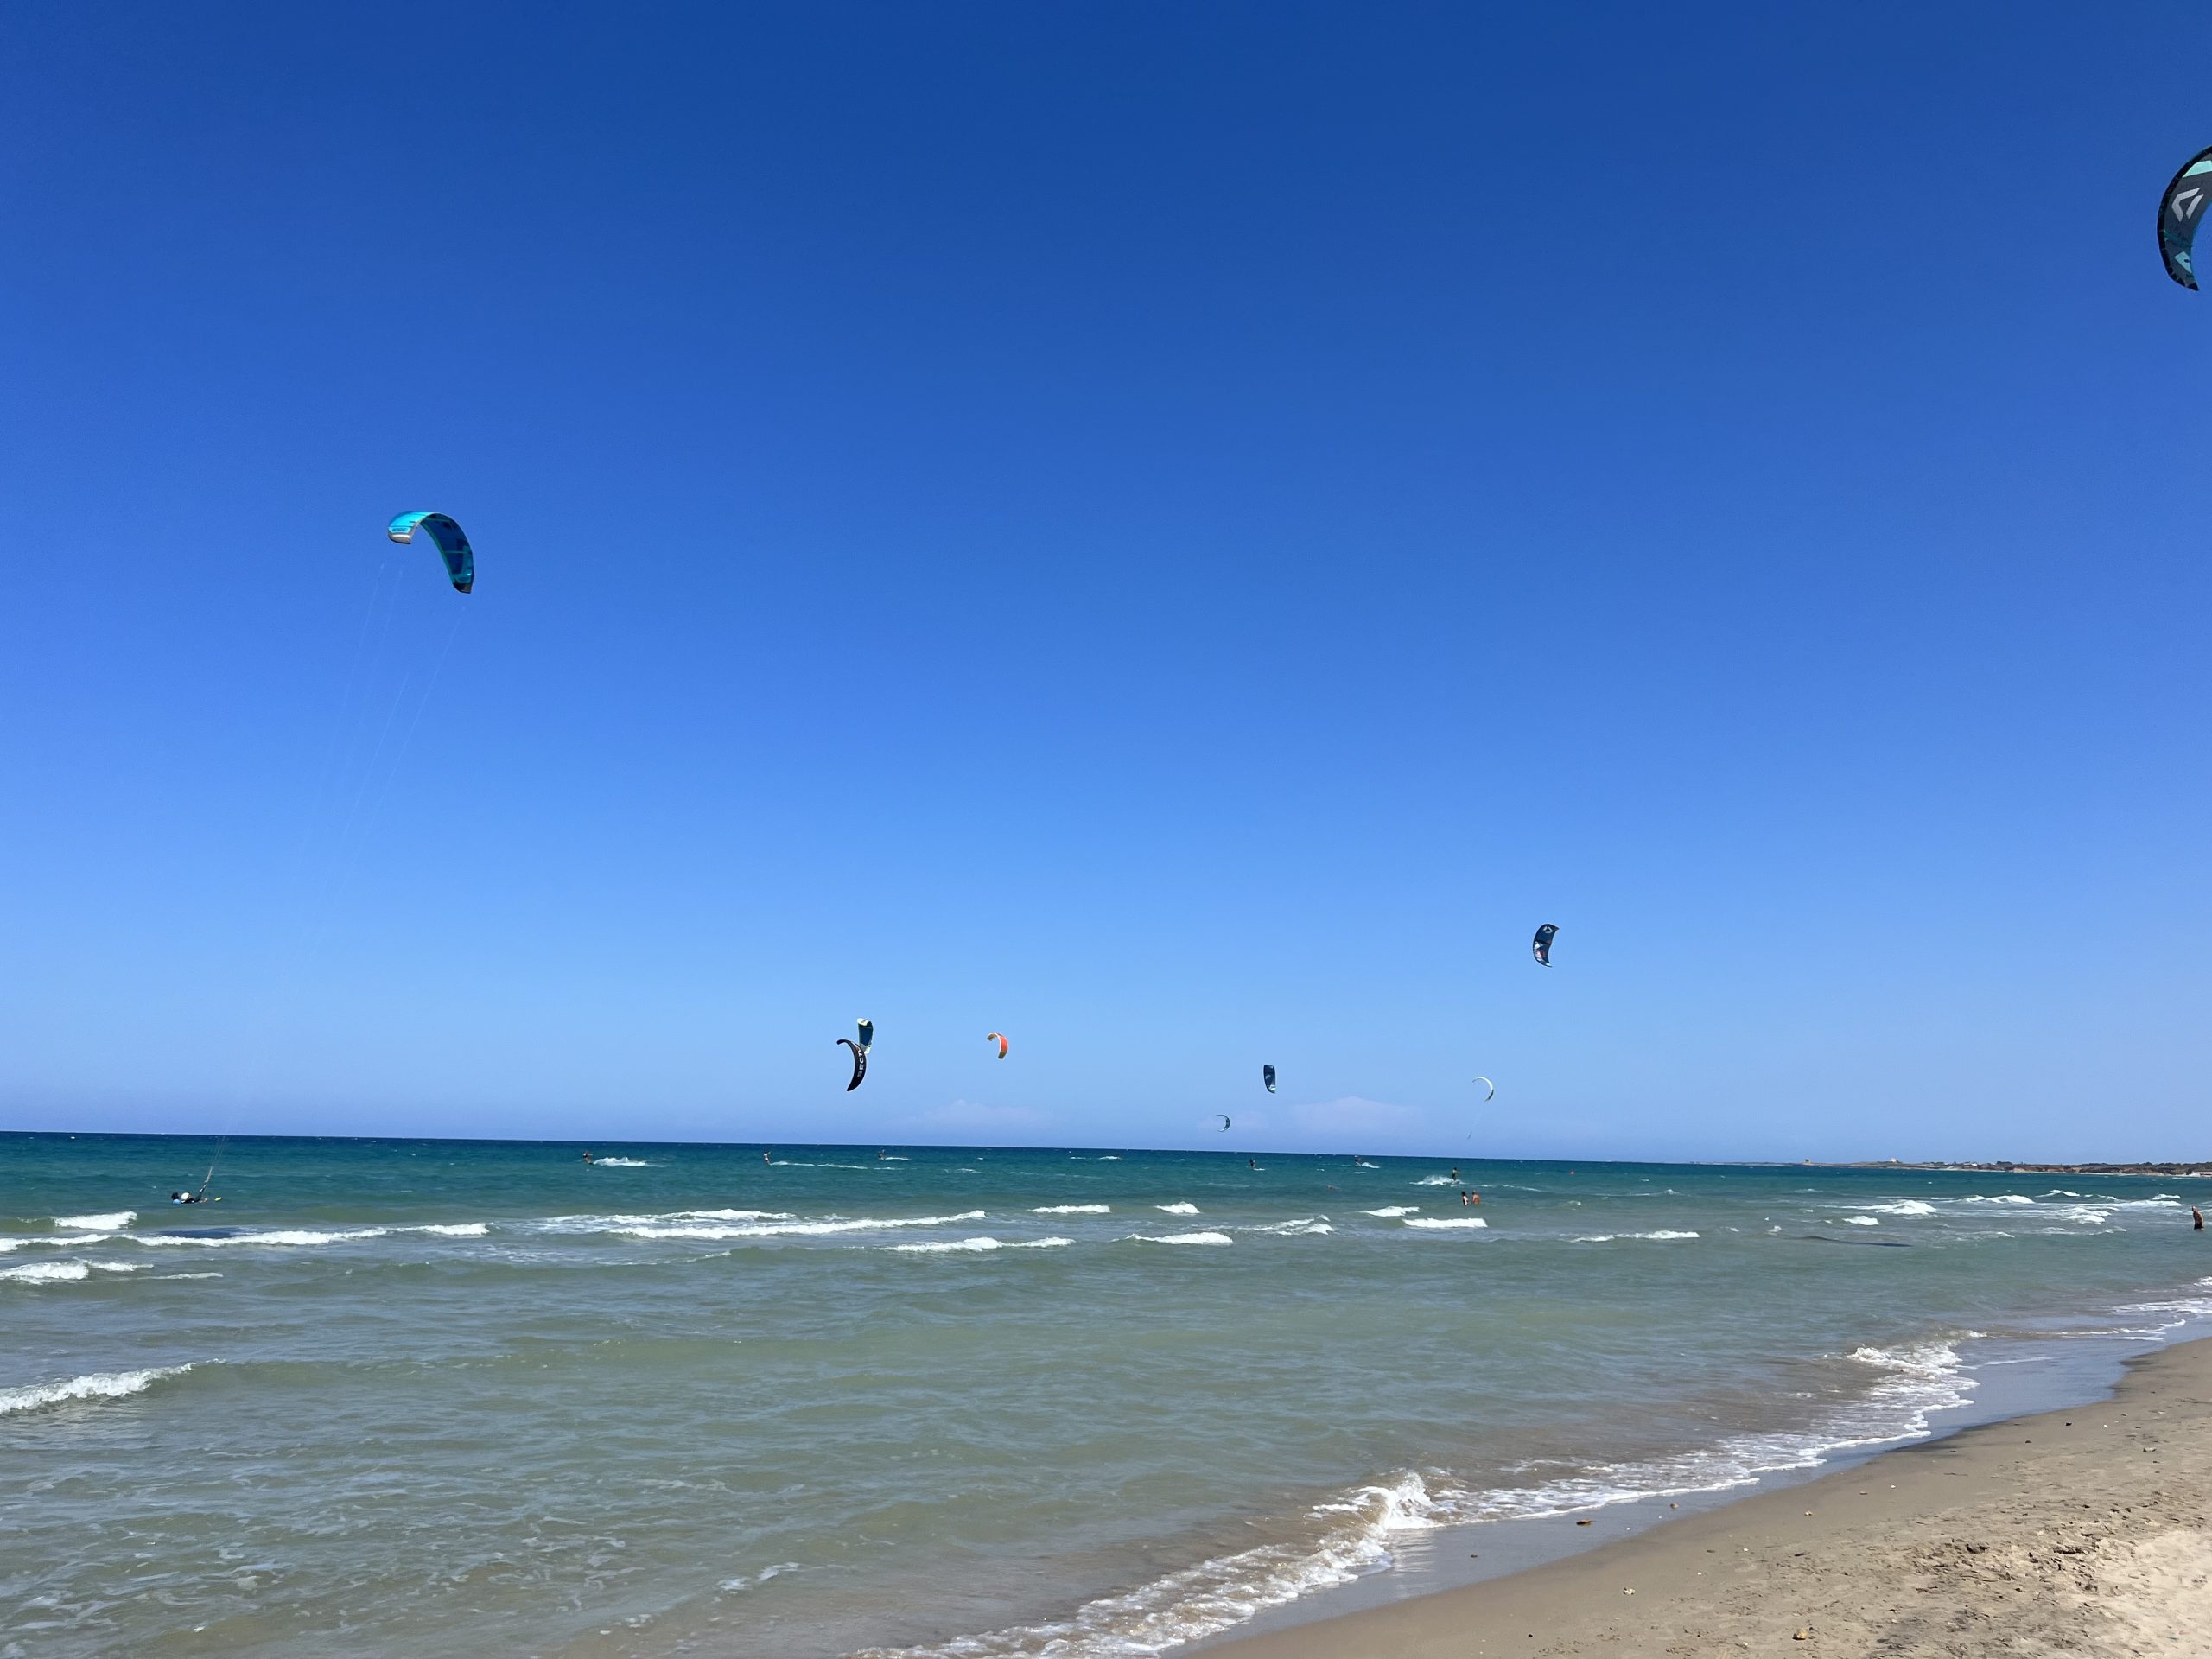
(1178, 532)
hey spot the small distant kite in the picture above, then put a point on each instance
(993, 1037)
(1223, 1116)
(446, 537)
(1543, 945)
(1492, 1087)
(2181, 210)
(1267, 1076)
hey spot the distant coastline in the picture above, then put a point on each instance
(2201, 1170)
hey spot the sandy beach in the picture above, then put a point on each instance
(2081, 1531)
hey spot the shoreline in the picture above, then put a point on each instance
(2083, 1529)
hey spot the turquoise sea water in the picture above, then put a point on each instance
(434, 1396)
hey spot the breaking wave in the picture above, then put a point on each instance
(100, 1223)
(99, 1385)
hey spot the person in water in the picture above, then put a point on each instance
(2195, 1219)
(764, 1157)
(586, 1157)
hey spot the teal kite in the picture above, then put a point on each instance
(446, 537)
(2181, 210)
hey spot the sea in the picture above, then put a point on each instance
(380, 1397)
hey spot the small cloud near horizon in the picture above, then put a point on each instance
(1377, 1121)
(976, 1115)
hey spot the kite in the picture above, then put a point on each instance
(2181, 210)
(1543, 946)
(860, 1062)
(1492, 1087)
(1224, 1122)
(993, 1037)
(1267, 1076)
(446, 537)
(868, 1034)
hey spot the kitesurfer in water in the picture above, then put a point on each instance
(764, 1157)
(586, 1157)
(2195, 1219)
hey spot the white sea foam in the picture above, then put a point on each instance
(1391, 1212)
(1181, 1238)
(453, 1228)
(622, 1163)
(1664, 1233)
(106, 1222)
(98, 1385)
(1444, 1221)
(166, 1277)
(1915, 1382)
(1073, 1210)
(2002, 1198)
(1350, 1538)
(1861, 1221)
(2185, 1310)
(791, 1229)
(1179, 1208)
(719, 1215)
(976, 1246)
(1436, 1180)
(1350, 1535)
(730, 1586)
(289, 1236)
(2081, 1214)
(46, 1272)
(1903, 1207)
(1304, 1227)
(609, 1223)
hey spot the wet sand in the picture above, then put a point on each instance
(2087, 1531)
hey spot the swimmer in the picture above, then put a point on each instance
(2195, 1219)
